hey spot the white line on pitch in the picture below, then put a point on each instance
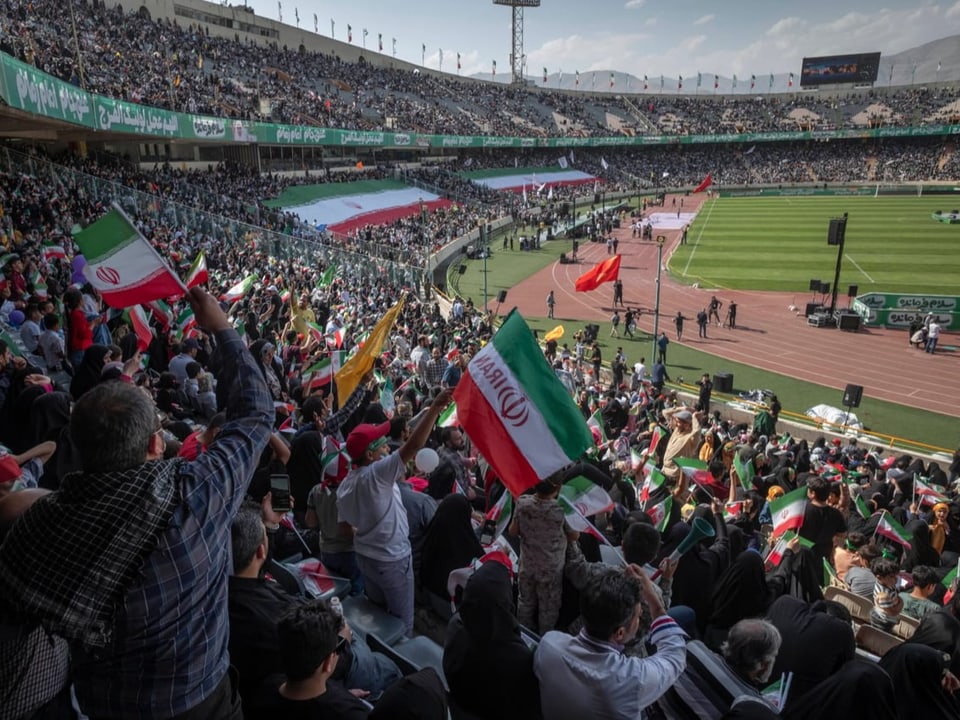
(859, 268)
(699, 235)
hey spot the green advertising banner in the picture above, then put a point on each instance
(28, 89)
(894, 310)
(25, 87)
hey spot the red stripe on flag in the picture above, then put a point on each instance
(161, 284)
(493, 440)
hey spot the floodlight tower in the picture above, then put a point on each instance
(516, 48)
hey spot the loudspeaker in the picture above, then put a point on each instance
(563, 258)
(849, 321)
(824, 288)
(815, 286)
(852, 396)
(502, 296)
(837, 231)
(462, 269)
(723, 382)
(812, 308)
(852, 291)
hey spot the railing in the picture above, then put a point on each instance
(313, 250)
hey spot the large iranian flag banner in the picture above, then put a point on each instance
(122, 265)
(517, 412)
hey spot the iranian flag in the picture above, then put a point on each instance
(316, 332)
(653, 482)
(830, 576)
(335, 339)
(731, 510)
(704, 184)
(198, 271)
(186, 320)
(516, 410)
(122, 265)
(334, 459)
(54, 252)
(321, 372)
(595, 422)
(951, 576)
(892, 530)
(775, 556)
(744, 470)
(239, 290)
(500, 514)
(162, 312)
(928, 494)
(787, 511)
(863, 510)
(695, 470)
(141, 326)
(448, 418)
(580, 498)
(660, 513)
(655, 439)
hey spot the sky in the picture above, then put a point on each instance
(642, 37)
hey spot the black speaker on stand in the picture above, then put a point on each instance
(852, 395)
(501, 298)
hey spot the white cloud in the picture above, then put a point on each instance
(692, 43)
(704, 19)
(634, 4)
(650, 21)
(953, 11)
(785, 26)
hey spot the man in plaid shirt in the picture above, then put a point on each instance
(129, 560)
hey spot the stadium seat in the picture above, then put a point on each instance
(858, 605)
(906, 626)
(372, 619)
(876, 641)
(412, 654)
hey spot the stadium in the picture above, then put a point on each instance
(231, 213)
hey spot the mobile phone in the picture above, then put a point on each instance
(487, 533)
(280, 493)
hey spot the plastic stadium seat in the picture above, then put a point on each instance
(423, 652)
(858, 605)
(876, 641)
(373, 619)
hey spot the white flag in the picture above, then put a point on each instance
(604, 164)
(563, 162)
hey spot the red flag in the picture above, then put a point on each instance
(602, 272)
(707, 182)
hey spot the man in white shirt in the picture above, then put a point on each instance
(639, 370)
(369, 500)
(933, 335)
(588, 675)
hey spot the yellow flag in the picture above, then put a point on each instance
(349, 376)
(554, 334)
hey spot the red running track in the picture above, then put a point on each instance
(769, 335)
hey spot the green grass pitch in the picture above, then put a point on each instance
(778, 243)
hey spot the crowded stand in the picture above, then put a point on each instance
(264, 496)
(126, 55)
(392, 577)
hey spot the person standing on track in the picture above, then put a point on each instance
(731, 315)
(714, 310)
(678, 321)
(551, 301)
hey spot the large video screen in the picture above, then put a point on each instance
(835, 69)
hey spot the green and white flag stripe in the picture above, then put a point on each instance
(517, 412)
(448, 418)
(122, 265)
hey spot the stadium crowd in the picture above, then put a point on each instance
(126, 55)
(93, 564)
(163, 467)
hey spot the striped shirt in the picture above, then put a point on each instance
(169, 648)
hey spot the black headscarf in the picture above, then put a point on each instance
(814, 643)
(448, 544)
(87, 374)
(420, 696)
(741, 592)
(50, 420)
(483, 640)
(921, 552)
(860, 689)
(19, 437)
(941, 631)
(916, 672)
